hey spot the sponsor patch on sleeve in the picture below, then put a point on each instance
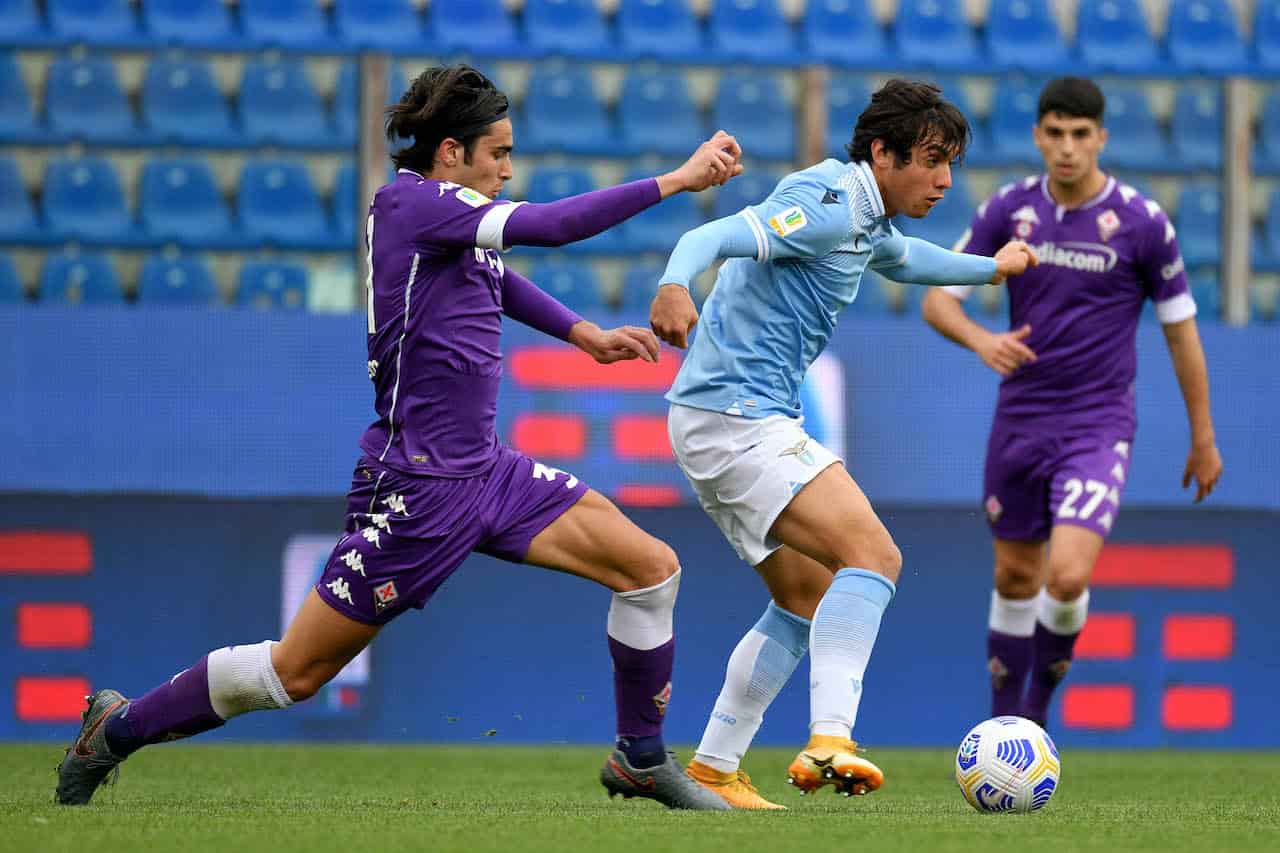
(471, 197)
(788, 221)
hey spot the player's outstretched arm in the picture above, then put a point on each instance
(1204, 462)
(915, 261)
(1003, 352)
(672, 314)
(581, 216)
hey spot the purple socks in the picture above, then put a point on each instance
(642, 688)
(1008, 661)
(176, 709)
(1049, 665)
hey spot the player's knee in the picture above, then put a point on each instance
(304, 683)
(653, 564)
(880, 555)
(1068, 586)
(1014, 581)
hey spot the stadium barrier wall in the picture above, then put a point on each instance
(124, 591)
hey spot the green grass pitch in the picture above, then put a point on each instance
(217, 798)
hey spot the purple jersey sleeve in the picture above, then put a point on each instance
(446, 214)
(524, 301)
(1159, 263)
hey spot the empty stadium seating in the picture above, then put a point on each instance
(572, 282)
(181, 104)
(79, 278)
(844, 33)
(934, 34)
(176, 280)
(563, 114)
(656, 114)
(659, 29)
(267, 285)
(751, 31)
(566, 28)
(1023, 34)
(754, 108)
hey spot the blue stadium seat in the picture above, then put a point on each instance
(286, 23)
(659, 29)
(934, 33)
(83, 201)
(385, 24)
(749, 188)
(278, 204)
(1023, 34)
(181, 104)
(563, 114)
(1264, 300)
(79, 278)
(847, 96)
(658, 228)
(1199, 222)
(1113, 35)
(1013, 117)
(1266, 34)
(550, 183)
(1270, 231)
(753, 109)
(571, 282)
(343, 208)
(171, 279)
(1134, 138)
(1266, 157)
(17, 217)
(346, 98)
(1207, 294)
(455, 23)
(566, 28)
(190, 23)
(84, 101)
(639, 286)
(11, 289)
(279, 106)
(1203, 36)
(1196, 127)
(750, 31)
(21, 23)
(17, 119)
(949, 218)
(178, 200)
(269, 286)
(108, 22)
(656, 115)
(845, 32)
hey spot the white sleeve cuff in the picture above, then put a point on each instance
(492, 224)
(959, 291)
(757, 228)
(1176, 310)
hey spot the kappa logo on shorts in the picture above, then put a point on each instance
(340, 589)
(800, 451)
(384, 595)
(354, 561)
(663, 699)
(994, 509)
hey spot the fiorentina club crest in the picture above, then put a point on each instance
(663, 699)
(1108, 224)
(994, 509)
(384, 595)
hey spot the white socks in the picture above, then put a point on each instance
(1013, 616)
(241, 679)
(758, 668)
(1062, 617)
(641, 618)
(841, 639)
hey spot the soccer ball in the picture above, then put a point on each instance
(1007, 764)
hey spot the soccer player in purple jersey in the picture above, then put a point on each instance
(433, 482)
(1060, 444)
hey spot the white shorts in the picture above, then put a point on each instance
(745, 470)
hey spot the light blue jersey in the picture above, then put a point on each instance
(795, 262)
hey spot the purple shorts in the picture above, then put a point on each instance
(407, 534)
(1033, 482)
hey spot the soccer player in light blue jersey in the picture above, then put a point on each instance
(786, 503)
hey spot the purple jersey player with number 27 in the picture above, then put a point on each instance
(434, 483)
(1060, 445)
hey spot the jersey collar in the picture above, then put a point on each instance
(863, 174)
(1060, 211)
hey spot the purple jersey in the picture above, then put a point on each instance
(1098, 263)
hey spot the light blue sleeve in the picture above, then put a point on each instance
(794, 222)
(730, 237)
(914, 261)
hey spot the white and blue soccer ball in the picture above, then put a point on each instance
(1007, 764)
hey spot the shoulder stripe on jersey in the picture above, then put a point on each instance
(757, 228)
(395, 389)
(1176, 309)
(492, 225)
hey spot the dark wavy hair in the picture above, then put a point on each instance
(443, 102)
(905, 113)
(1074, 97)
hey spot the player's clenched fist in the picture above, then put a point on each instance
(713, 164)
(673, 315)
(1013, 259)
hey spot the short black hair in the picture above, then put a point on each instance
(442, 102)
(1074, 97)
(905, 113)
